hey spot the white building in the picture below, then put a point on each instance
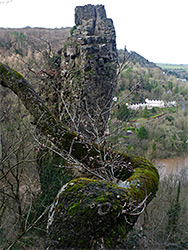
(151, 104)
(155, 103)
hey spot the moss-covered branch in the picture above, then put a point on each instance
(87, 213)
(65, 139)
(48, 124)
(140, 184)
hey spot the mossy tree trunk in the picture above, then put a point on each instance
(139, 177)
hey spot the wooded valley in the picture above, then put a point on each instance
(34, 166)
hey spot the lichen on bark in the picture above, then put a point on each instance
(95, 214)
(89, 213)
(137, 188)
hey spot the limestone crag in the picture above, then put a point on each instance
(89, 62)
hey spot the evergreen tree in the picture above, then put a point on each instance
(173, 218)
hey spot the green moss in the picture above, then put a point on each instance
(144, 180)
(73, 29)
(121, 230)
(5, 71)
(88, 212)
(18, 75)
(108, 242)
(70, 135)
(73, 209)
(92, 209)
(101, 199)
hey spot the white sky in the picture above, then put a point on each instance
(156, 29)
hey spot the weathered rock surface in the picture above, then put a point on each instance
(89, 62)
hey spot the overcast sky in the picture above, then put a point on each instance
(156, 29)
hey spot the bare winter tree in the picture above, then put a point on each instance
(75, 134)
(88, 156)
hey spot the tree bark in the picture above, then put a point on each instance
(141, 181)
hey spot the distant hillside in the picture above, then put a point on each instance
(159, 132)
(22, 40)
(135, 57)
(180, 71)
(30, 49)
(33, 53)
(19, 41)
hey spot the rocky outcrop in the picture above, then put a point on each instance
(88, 213)
(89, 62)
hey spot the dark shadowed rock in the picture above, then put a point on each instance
(89, 62)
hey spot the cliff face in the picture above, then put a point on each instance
(89, 61)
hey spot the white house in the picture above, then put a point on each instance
(151, 104)
(154, 103)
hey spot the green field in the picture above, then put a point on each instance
(173, 66)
